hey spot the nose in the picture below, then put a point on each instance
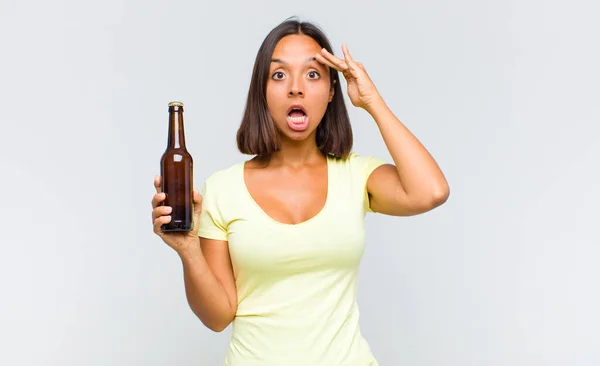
(296, 87)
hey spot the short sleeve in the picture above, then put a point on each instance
(212, 224)
(363, 166)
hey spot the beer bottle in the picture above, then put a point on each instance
(176, 170)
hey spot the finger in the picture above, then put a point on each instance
(346, 53)
(161, 211)
(157, 183)
(349, 60)
(197, 197)
(340, 64)
(159, 221)
(197, 208)
(158, 198)
(326, 62)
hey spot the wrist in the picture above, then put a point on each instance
(190, 251)
(375, 106)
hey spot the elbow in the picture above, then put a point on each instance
(440, 196)
(217, 326)
(217, 322)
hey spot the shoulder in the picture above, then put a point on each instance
(223, 179)
(359, 164)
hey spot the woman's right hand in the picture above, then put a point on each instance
(179, 241)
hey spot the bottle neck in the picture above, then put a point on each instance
(176, 134)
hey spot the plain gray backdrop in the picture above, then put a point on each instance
(504, 94)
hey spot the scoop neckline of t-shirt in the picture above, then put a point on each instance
(284, 224)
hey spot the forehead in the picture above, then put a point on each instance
(296, 46)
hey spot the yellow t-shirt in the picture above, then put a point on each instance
(296, 284)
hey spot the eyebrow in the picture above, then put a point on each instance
(278, 60)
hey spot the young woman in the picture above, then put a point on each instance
(278, 239)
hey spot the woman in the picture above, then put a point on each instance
(281, 235)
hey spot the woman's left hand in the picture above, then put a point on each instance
(361, 89)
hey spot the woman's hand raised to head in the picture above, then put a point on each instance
(180, 242)
(361, 89)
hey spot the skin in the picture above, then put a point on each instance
(292, 186)
(414, 184)
(296, 176)
(297, 77)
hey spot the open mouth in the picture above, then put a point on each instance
(296, 115)
(296, 111)
(297, 118)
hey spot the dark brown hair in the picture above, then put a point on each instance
(258, 134)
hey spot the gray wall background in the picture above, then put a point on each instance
(504, 94)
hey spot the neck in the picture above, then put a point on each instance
(176, 135)
(297, 154)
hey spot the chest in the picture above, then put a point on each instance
(311, 223)
(288, 197)
(334, 239)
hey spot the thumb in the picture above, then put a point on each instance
(197, 208)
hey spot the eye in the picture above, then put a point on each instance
(278, 75)
(313, 75)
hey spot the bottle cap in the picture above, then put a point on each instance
(175, 104)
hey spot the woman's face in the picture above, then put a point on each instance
(298, 88)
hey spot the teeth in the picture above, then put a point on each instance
(296, 119)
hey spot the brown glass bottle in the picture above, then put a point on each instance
(176, 170)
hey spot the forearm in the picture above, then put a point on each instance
(419, 174)
(205, 294)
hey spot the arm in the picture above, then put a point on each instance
(209, 283)
(415, 184)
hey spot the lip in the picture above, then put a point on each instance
(296, 106)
